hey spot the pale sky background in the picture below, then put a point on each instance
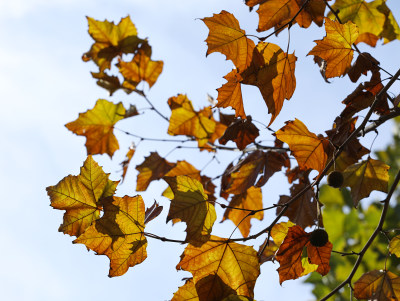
(45, 84)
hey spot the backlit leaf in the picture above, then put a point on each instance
(320, 256)
(335, 48)
(233, 264)
(97, 125)
(308, 149)
(190, 205)
(230, 94)
(118, 234)
(79, 196)
(269, 251)
(378, 285)
(394, 246)
(186, 292)
(153, 168)
(128, 158)
(242, 132)
(228, 38)
(365, 177)
(279, 231)
(251, 200)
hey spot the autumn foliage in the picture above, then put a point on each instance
(303, 239)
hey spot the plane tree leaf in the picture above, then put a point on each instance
(242, 132)
(228, 38)
(250, 200)
(97, 125)
(128, 158)
(118, 234)
(190, 205)
(79, 196)
(336, 47)
(230, 94)
(221, 264)
(186, 292)
(308, 149)
(366, 176)
(394, 246)
(153, 168)
(377, 285)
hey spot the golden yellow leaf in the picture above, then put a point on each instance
(251, 200)
(118, 234)
(190, 205)
(79, 196)
(394, 246)
(279, 231)
(335, 47)
(186, 292)
(97, 125)
(378, 285)
(307, 148)
(234, 265)
(366, 176)
(228, 38)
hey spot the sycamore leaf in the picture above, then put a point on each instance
(152, 212)
(118, 234)
(221, 262)
(378, 285)
(366, 15)
(365, 62)
(230, 94)
(242, 132)
(274, 77)
(391, 29)
(190, 205)
(153, 168)
(125, 163)
(320, 256)
(250, 200)
(279, 231)
(111, 40)
(108, 82)
(394, 246)
(97, 125)
(228, 38)
(79, 196)
(269, 251)
(141, 68)
(366, 176)
(186, 292)
(308, 149)
(335, 48)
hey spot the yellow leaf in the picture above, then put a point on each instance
(251, 200)
(228, 38)
(378, 285)
(186, 292)
(118, 234)
(190, 205)
(335, 47)
(307, 148)
(394, 246)
(279, 231)
(366, 176)
(97, 125)
(79, 196)
(225, 263)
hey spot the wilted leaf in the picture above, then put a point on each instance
(228, 38)
(365, 177)
(97, 125)
(378, 285)
(108, 82)
(335, 47)
(186, 292)
(118, 234)
(79, 196)
(230, 94)
(152, 212)
(125, 163)
(365, 62)
(190, 205)
(250, 200)
(233, 264)
(242, 132)
(308, 149)
(153, 168)
(269, 251)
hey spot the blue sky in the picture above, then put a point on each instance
(45, 84)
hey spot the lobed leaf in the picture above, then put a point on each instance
(378, 285)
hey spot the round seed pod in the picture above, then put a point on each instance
(335, 179)
(319, 238)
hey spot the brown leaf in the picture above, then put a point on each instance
(242, 132)
(269, 251)
(230, 94)
(378, 285)
(320, 256)
(152, 212)
(365, 62)
(125, 163)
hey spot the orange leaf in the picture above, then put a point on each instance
(269, 251)
(141, 68)
(366, 176)
(190, 205)
(250, 200)
(335, 47)
(221, 262)
(275, 77)
(153, 168)
(79, 196)
(307, 148)
(228, 38)
(230, 94)
(125, 163)
(118, 234)
(378, 285)
(242, 132)
(320, 256)
(97, 125)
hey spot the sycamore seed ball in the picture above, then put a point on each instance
(319, 238)
(335, 179)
